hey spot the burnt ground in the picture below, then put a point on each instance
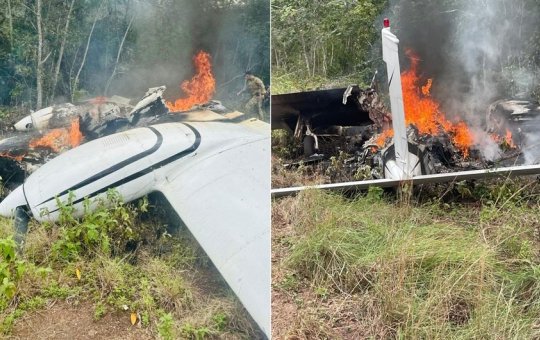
(64, 320)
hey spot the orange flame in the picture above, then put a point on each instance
(18, 158)
(509, 140)
(425, 113)
(58, 139)
(75, 135)
(200, 88)
(381, 139)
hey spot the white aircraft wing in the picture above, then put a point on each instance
(223, 198)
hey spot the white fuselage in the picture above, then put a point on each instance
(215, 174)
(130, 162)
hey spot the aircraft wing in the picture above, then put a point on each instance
(223, 199)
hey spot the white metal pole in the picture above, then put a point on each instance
(390, 45)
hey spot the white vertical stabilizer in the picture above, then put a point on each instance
(390, 45)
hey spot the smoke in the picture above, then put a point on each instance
(168, 33)
(161, 50)
(476, 51)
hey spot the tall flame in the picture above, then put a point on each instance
(61, 138)
(200, 88)
(425, 113)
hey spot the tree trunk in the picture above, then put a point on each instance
(76, 80)
(306, 57)
(118, 56)
(314, 59)
(324, 68)
(10, 14)
(276, 57)
(39, 70)
(61, 52)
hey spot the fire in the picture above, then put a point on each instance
(422, 111)
(381, 139)
(200, 88)
(58, 139)
(18, 158)
(463, 137)
(509, 140)
(75, 135)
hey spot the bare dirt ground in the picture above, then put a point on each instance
(62, 320)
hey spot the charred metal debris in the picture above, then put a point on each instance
(344, 134)
(44, 134)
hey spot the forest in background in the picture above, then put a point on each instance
(464, 45)
(316, 41)
(66, 50)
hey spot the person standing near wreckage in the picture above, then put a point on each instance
(257, 90)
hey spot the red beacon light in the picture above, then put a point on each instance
(386, 23)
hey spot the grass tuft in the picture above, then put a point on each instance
(426, 269)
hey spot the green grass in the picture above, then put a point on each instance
(430, 270)
(283, 82)
(128, 263)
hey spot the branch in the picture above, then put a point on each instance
(118, 56)
(76, 80)
(44, 60)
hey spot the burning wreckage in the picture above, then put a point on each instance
(413, 142)
(201, 157)
(48, 132)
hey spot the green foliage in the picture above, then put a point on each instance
(374, 194)
(92, 263)
(318, 39)
(220, 320)
(337, 170)
(99, 310)
(289, 283)
(237, 32)
(59, 291)
(283, 144)
(190, 331)
(165, 326)
(105, 227)
(11, 271)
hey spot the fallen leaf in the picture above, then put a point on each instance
(78, 272)
(133, 318)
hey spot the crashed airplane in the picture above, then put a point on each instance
(405, 156)
(214, 170)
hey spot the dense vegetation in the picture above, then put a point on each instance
(316, 40)
(63, 50)
(126, 260)
(494, 44)
(459, 263)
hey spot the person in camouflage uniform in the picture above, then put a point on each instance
(256, 88)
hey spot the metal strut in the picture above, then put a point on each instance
(513, 171)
